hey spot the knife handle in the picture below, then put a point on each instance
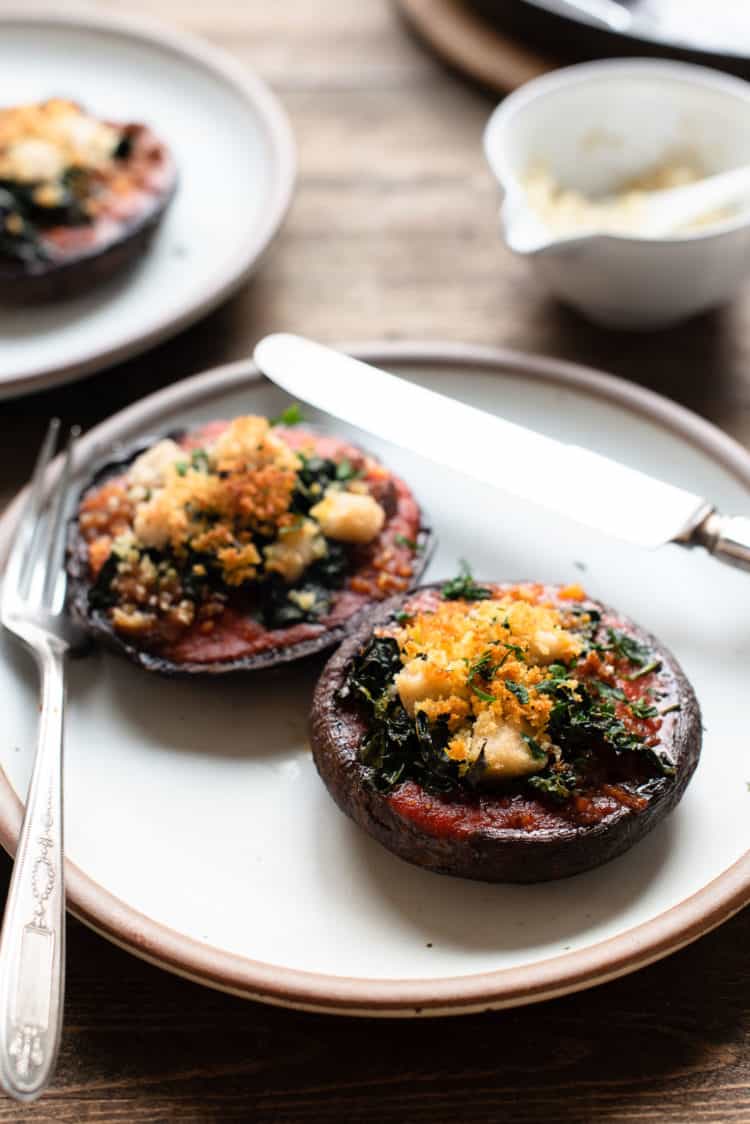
(727, 537)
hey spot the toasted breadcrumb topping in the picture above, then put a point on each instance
(184, 527)
(479, 665)
(38, 142)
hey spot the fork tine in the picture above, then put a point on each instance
(29, 526)
(57, 521)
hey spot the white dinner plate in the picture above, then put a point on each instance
(200, 837)
(235, 157)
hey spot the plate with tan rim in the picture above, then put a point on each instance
(199, 836)
(233, 147)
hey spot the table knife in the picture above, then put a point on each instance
(618, 500)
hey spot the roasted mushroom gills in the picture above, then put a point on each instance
(243, 517)
(518, 689)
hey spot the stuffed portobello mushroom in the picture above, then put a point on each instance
(504, 732)
(80, 198)
(238, 546)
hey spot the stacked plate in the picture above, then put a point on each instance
(233, 148)
(717, 32)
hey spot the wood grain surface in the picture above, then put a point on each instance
(393, 235)
(474, 46)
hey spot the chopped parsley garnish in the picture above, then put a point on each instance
(292, 415)
(346, 471)
(402, 540)
(199, 460)
(605, 691)
(654, 665)
(518, 690)
(484, 668)
(464, 588)
(398, 746)
(534, 747)
(557, 675)
(512, 650)
(484, 695)
(626, 647)
(641, 708)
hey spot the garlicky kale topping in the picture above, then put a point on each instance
(101, 594)
(279, 605)
(464, 588)
(375, 668)
(23, 218)
(588, 722)
(398, 747)
(311, 597)
(315, 475)
(582, 720)
(19, 238)
(283, 607)
(556, 785)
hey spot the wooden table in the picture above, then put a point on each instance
(392, 235)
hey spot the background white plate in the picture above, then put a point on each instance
(235, 157)
(199, 834)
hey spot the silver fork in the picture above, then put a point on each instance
(32, 945)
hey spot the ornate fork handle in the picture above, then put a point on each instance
(32, 945)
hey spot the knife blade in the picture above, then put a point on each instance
(618, 500)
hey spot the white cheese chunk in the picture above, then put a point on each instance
(506, 753)
(420, 679)
(29, 161)
(149, 468)
(149, 525)
(348, 516)
(39, 141)
(551, 645)
(295, 550)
